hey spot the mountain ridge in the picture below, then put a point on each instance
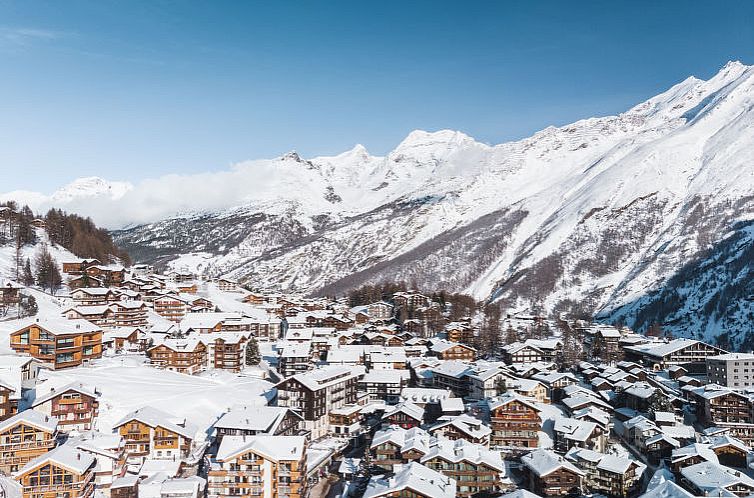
(586, 217)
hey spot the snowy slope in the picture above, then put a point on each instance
(588, 217)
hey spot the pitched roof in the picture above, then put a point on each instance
(544, 462)
(154, 417)
(33, 418)
(415, 477)
(275, 448)
(66, 456)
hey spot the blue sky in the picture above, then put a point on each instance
(130, 90)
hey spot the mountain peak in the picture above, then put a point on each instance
(91, 186)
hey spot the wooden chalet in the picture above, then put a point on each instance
(60, 343)
(273, 466)
(24, 437)
(62, 472)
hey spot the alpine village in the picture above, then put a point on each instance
(118, 380)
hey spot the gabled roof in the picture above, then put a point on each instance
(414, 477)
(31, 417)
(544, 462)
(258, 418)
(65, 456)
(60, 326)
(461, 450)
(508, 398)
(407, 408)
(154, 418)
(275, 448)
(73, 386)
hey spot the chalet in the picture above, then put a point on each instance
(453, 376)
(691, 454)
(58, 342)
(405, 415)
(688, 353)
(227, 285)
(171, 307)
(61, 472)
(123, 338)
(380, 311)
(411, 300)
(10, 293)
(24, 437)
(463, 427)
(313, 394)
(608, 474)
(151, 433)
(446, 350)
(346, 421)
(101, 315)
(255, 420)
(487, 383)
(459, 332)
(109, 452)
(730, 451)
(476, 469)
(93, 296)
(187, 356)
(79, 267)
(515, 422)
(412, 480)
(85, 282)
(110, 275)
(394, 446)
(550, 474)
(520, 352)
(131, 313)
(73, 405)
(294, 359)
(708, 478)
(571, 433)
(225, 350)
(271, 466)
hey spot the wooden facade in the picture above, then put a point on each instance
(59, 344)
(24, 437)
(515, 423)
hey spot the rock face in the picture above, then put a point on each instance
(640, 218)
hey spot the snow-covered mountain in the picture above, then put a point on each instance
(79, 190)
(593, 217)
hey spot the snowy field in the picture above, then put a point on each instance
(127, 383)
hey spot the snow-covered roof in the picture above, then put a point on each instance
(258, 418)
(461, 450)
(154, 418)
(407, 408)
(709, 476)
(465, 424)
(543, 462)
(61, 326)
(414, 477)
(73, 386)
(667, 489)
(65, 456)
(323, 377)
(31, 417)
(275, 448)
(574, 430)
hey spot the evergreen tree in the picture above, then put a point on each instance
(28, 306)
(252, 352)
(47, 272)
(27, 277)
